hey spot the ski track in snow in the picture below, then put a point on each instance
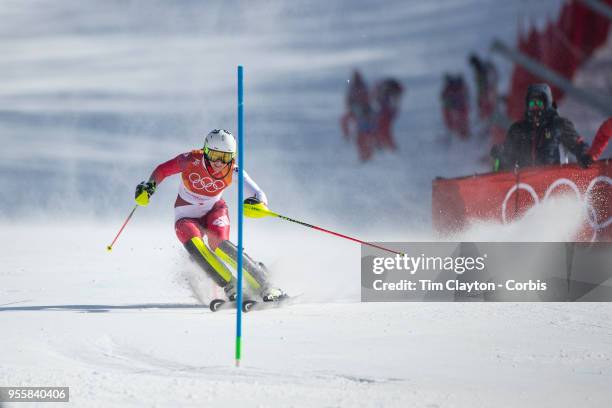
(97, 93)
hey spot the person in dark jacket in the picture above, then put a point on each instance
(541, 137)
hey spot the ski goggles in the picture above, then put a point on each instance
(536, 104)
(216, 155)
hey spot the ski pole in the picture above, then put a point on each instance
(110, 247)
(267, 212)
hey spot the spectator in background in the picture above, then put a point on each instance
(541, 137)
(387, 96)
(455, 105)
(600, 142)
(360, 115)
(486, 78)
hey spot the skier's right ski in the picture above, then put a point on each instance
(220, 304)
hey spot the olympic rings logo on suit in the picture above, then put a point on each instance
(206, 183)
(591, 214)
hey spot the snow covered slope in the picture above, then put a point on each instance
(127, 333)
(97, 93)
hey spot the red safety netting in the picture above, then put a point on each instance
(562, 46)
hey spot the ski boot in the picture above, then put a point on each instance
(230, 291)
(268, 293)
(273, 295)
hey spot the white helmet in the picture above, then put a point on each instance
(220, 140)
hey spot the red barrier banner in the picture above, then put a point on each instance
(506, 196)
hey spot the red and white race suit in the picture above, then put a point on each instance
(199, 207)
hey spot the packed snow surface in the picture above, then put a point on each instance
(95, 94)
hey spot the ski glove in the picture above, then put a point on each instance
(253, 208)
(496, 153)
(144, 191)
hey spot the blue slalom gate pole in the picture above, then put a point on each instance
(240, 216)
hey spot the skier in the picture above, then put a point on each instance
(455, 105)
(387, 95)
(200, 211)
(542, 137)
(486, 86)
(360, 112)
